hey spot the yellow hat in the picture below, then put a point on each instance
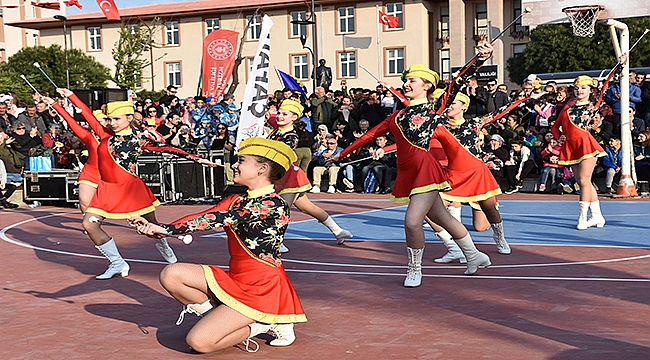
(423, 72)
(584, 80)
(151, 122)
(118, 108)
(273, 150)
(437, 93)
(462, 98)
(292, 106)
(99, 114)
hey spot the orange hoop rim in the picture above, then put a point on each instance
(580, 8)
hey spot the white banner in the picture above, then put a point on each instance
(251, 123)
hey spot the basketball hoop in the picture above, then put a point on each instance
(583, 18)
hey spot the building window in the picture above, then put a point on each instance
(518, 48)
(445, 64)
(171, 33)
(516, 11)
(211, 25)
(395, 60)
(348, 64)
(94, 38)
(396, 9)
(444, 22)
(481, 23)
(255, 26)
(174, 74)
(131, 28)
(346, 20)
(298, 30)
(300, 65)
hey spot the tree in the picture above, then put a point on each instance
(134, 42)
(84, 70)
(554, 48)
(240, 58)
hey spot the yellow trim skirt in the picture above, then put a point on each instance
(469, 199)
(596, 153)
(419, 190)
(297, 190)
(244, 309)
(86, 182)
(140, 212)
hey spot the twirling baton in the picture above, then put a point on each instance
(390, 88)
(33, 88)
(44, 73)
(186, 239)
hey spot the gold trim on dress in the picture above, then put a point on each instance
(109, 215)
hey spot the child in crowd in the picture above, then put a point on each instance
(612, 163)
(550, 155)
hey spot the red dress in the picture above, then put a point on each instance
(256, 284)
(122, 193)
(294, 181)
(579, 144)
(418, 171)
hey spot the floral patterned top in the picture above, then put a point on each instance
(259, 218)
(125, 147)
(418, 122)
(581, 114)
(287, 136)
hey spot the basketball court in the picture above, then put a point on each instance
(562, 294)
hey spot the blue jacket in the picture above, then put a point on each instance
(613, 160)
(320, 160)
(611, 100)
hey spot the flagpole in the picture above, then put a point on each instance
(279, 77)
(379, 67)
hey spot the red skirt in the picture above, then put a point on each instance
(419, 173)
(123, 200)
(579, 146)
(255, 288)
(294, 181)
(474, 184)
(90, 176)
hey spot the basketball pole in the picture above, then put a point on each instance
(621, 43)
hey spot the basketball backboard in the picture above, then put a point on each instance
(550, 11)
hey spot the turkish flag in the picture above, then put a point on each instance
(48, 5)
(388, 20)
(109, 9)
(74, 3)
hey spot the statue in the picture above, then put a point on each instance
(323, 75)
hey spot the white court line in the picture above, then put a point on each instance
(25, 245)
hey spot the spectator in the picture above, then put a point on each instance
(342, 133)
(613, 96)
(25, 141)
(320, 140)
(7, 152)
(169, 129)
(511, 129)
(495, 147)
(550, 168)
(204, 134)
(637, 125)
(372, 110)
(496, 98)
(348, 113)
(642, 155)
(46, 113)
(518, 166)
(305, 141)
(478, 98)
(323, 108)
(643, 108)
(612, 163)
(30, 119)
(199, 113)
(8, 186)
(332, 170)
(227, 100)
(60, 145)
(388, 101)
(601, 130)
(185, 139)
(568, 183)
(169, 104)
(544, 107)
(383, 166)
(6, 119)
(230, 118)
(153, 114)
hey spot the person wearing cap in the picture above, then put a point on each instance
(470, 179)
(230, 118)
(255, 295)
(294, 185)
(420, 176)
(122, 194)
(580, 149)
(200, 112)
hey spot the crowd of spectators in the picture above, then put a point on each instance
(334, 119)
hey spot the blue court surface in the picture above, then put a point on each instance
(525, 222)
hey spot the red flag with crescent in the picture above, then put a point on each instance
(219, 53)
(388, 20)
(73, 3)
(48, 5)
(109, 9)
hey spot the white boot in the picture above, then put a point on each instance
(414, 273)
(475, 258)
(339, 233)
(197, 309)
(582, 218)
(283, 249)
(256, 329)
(166, 251)
(597, 218)
(453, 251)
(284, 335)
(455, 212)
(117, 264)
(500, 239)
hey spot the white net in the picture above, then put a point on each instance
(583, 18)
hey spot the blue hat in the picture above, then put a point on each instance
(207, 99)
(633, 106)
(232, 107)
(206, 120)
(216, 107)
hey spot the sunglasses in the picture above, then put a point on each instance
(492, 84)
(152, 111)
(331, 143)
(20, 128)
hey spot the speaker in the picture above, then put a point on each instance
(95, 97)
(188, 179)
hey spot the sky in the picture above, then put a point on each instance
(91, 5)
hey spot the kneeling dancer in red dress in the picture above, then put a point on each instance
(255, 296)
